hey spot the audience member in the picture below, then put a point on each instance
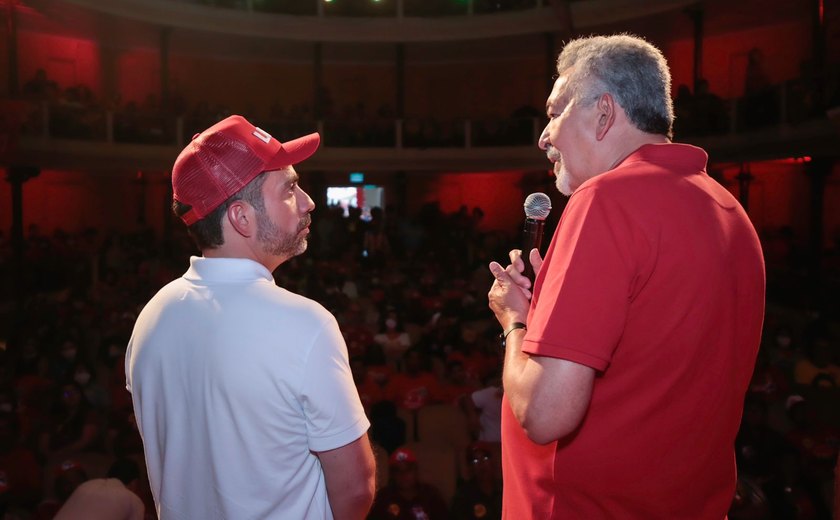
(455, 385)
(69, 475)
(405, 497)
(392, 337)
(74, 427)
(415, 386)
(20, 470)
(370, 392)
(484, 411)
(818, 368)
(479, 497)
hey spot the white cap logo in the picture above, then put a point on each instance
(262, 135)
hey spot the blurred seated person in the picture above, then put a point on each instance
(749, 502)
(114, 358)
(370, 392)
(455, 384)
(416, 386)
(817, 442)
(483, 409)
(75, 427)
(123, 438)
(64, 359)
(405, 497)
(377, 367)
(69, 475)
(356, 334)
(757, 446)
(393, 338)
(473, 351)
(480, 496)
(34, 390)
(84, 374)
(387, 429)
(768, 380)
(113, 498)
(20, 472)
(819, 368)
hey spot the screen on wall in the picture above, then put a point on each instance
(362, 197)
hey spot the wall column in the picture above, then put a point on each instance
(399, 100)
(12, 46)
(318, 75)
(165, 39)
(817, 171)
(16, 176)
(550, 62)
(697, 16)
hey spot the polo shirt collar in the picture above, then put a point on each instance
(682, 156)
(226, 270)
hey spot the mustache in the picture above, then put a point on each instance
(552, 153)
(305, 222)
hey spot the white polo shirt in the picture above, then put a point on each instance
(235, 382)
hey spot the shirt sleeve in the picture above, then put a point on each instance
(334, 413)
(479, 397)
(582, 291)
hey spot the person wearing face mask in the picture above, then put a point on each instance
(393, 339)
(85, 376)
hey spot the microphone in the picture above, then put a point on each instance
(537, 207)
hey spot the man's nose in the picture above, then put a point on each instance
(306, 202)
(543, 142)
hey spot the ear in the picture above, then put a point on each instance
(242, 218)
(606, 112)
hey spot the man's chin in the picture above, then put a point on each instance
(302, 246)
(561, 182)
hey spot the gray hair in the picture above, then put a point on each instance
(632, 70)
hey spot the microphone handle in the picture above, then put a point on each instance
(532, 235)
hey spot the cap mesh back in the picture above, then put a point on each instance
(218, 168)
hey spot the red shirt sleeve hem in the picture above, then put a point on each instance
(541, 348)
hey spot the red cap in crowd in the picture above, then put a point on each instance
(401, 455)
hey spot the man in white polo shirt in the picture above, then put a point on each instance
(242, 390)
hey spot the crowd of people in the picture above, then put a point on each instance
(414, 315)
(407, 293)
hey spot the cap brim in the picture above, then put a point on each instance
(295, 151)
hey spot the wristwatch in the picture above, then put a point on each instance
(504, 334)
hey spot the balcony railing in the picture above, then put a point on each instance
(782, 106)
(57, 122)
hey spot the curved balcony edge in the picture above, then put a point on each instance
(396, 29)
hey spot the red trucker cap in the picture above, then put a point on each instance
(223, 159)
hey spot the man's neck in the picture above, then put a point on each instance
(632, 141)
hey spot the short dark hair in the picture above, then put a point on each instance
(207, 232)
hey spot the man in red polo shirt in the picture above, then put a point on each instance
(626, 366)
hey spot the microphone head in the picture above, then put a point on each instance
(537, 206)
